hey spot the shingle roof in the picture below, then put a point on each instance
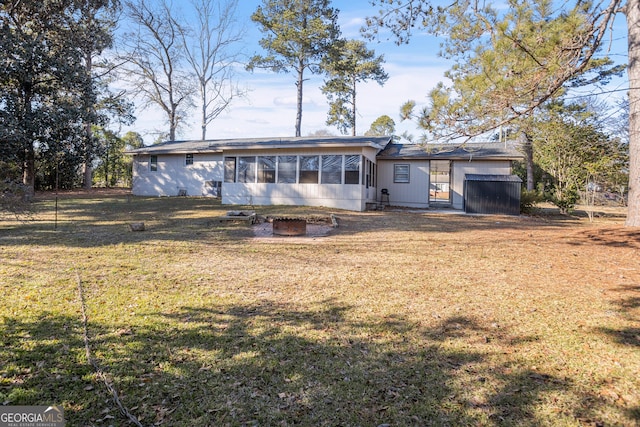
(218, 145)
(467, 151)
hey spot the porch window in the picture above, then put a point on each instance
(230, 169)
(153, 163)
(267, 169)
(331, 169)
(401, 174)
(352, 169)
(247, 169)
(287, 166)
(189, 159)
(371, 177)
(309, 167)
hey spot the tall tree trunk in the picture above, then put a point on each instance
(88, 154)
(299, 100)
(527, 150)
(353, 106)
(633, 24)
(88, 158)
(29, 168)
(172, 123)
(204, 112)
(29, 163)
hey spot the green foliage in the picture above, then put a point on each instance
(113, 167)
(508, 62)
(58, 167)
(563, 198)
(47, 90)
(529, 199)
(298, 34)
(512, 59)
(133, 140)
(14, 197)
(571, 149)
(382, 126)
(349, 63)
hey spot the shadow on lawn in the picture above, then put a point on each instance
(272, 364)
(628, 306)
(87, 222)
(610, 236)
(97, 222)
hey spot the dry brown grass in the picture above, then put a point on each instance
(397, 317)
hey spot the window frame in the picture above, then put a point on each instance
(305, 175)
(288, 178)
(351, 175)
(230, 168)
(331, 169)
(266, 175)
(399, 176)
(188, 159)
(249, 174)
(153, 163)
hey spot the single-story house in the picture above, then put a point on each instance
(349, 173)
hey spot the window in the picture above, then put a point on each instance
(331, 169)
(352, 169)
(230, 169)
(267, 169)
(366, 175)
(287, 166)
(246, 169)
(189, 159)
(401, 173)
(309, 169)
(153, 163)
(372, 175)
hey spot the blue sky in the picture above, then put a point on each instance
(270, 106)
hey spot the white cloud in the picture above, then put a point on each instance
(270, 106)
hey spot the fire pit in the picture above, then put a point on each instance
(284, 226)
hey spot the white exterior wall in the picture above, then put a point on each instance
(413, 194)
(174, 174)
(349, 197)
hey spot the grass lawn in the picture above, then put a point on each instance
(397, 318)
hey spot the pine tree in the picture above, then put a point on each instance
(298, 35)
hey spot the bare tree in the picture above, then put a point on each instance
(211, 49)
(155, 57)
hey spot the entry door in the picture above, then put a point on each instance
(440, 182)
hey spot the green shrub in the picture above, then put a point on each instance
(529, 199)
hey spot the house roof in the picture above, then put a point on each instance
(492, 178)
(220, 145)
(465, 151)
